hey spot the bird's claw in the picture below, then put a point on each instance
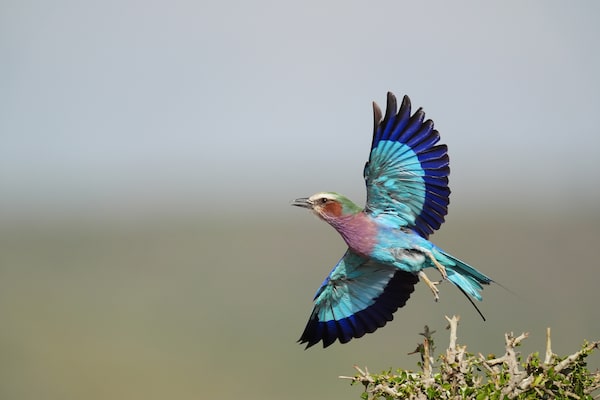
(439, 266)
(431, 284)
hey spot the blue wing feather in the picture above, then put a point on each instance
(414, 124)
(407, 172)
(331, 333)
(367, 322)
(423, 136)
(398, 122)
(345, 330)
(357, 297)
(360, 328)
(439, 152)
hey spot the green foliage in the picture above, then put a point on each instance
(463, 375)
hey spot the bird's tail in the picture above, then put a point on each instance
(462, 275)
(467, 278)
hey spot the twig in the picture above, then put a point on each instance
(549, 354)
(453, 326)
(570, 359)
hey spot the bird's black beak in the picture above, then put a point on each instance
(303, 202)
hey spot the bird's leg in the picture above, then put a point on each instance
(431, 285)
(439, 266)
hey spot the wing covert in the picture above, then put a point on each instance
(357, 297)
(407, 172)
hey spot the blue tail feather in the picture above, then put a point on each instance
(467, 278)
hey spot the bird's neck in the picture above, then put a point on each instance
(357, 230)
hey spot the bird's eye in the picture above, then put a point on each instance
(324, 200)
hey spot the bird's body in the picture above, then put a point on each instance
(388, 249)
(376, 239)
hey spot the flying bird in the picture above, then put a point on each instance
(388, 247)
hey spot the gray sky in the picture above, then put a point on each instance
(131, 106)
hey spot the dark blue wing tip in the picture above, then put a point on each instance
(391, 116)
(400, 126)
(394, 296)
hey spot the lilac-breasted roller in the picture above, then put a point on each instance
(407, 199)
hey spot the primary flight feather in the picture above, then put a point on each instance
(407, 199)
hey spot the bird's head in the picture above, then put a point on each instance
(328, 205)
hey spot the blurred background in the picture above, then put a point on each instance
(149, 152)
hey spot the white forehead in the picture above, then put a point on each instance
(321, 195)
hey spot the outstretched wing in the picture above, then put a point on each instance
(357, 297)
(407, 173)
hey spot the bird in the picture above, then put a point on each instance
(406, 178)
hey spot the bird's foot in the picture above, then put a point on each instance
(432, 285)
(439, 266)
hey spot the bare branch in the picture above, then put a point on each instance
(570, 359)
(549, 354)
